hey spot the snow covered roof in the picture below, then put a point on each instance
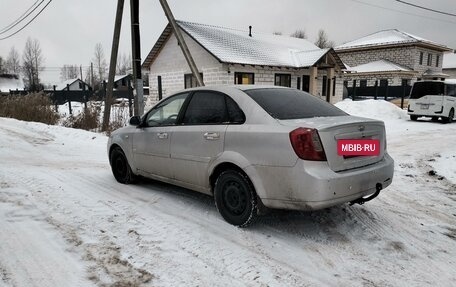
(379, 66)
(237, 47)
(430, 73)
(61, 86)
(10, 82)
(388, 38)
(449, 61)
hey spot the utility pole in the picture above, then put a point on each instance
(136, 54)
(112, 65)
(182, 44)
(80, 70)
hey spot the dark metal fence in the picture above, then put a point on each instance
(386, 93)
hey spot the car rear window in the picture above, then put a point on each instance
(287, 104)
(421, 89)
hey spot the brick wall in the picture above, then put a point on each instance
(404, 56)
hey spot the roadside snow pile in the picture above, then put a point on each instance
(375, 109)
(444, 164)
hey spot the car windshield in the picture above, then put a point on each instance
(421, 89)
(287, 104)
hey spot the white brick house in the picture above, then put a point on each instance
(391, 58)
(228, 56)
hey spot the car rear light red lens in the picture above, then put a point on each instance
(307, 144)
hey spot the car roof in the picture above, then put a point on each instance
(222, 88)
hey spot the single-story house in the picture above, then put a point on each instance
(449, 65)
(73, 85)
(390, 61)
(230, 56)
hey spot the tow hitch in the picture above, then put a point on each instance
(363, 200)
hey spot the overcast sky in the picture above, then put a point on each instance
(69, 30)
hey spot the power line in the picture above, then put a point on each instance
(425, 8)
(21, 18)
(403, 12)
(23, 27)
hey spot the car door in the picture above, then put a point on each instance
(199, 138)
(151, 142)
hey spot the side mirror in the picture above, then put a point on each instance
(135, 121)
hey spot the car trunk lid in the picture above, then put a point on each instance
(332, 129)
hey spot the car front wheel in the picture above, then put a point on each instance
(235, 198)
(120, 167)
(413, 117)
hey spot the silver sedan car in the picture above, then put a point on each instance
(253, 147)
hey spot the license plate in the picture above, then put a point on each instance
(360, 147)
(425, 107)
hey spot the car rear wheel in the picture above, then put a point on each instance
(435, 119)
(235, 198)
(450, 117)
(120, 167)
(413, 118)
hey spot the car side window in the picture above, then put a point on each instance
(165, 114)
(205, 107)
(235, 114)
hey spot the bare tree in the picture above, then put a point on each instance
(13, 64)
(123, 64)
(32, 64)
(100, 64)
(277, 33)
(68, 72)
(2, 65)
(323, 41)
(300, 33)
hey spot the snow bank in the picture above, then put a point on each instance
(445, 165)
(375, 109)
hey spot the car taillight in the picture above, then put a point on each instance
(307, 144)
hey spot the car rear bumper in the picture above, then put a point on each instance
(313, 185)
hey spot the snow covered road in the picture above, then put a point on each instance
(65, 221)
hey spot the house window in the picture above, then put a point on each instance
(190, 81)
(363, 83)
(244, 78)
(405, 82)
(283, 80)
(437, 61)
(421, 58)
(81, 85)
(429, 60)
(384, 83)
(298, 83)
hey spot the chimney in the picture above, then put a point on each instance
(250, 31)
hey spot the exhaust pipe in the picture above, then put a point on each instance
(362, 200)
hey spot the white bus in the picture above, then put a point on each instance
(434, 99)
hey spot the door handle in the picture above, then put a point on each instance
(162, 135)
(211, 136)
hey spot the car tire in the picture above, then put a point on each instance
(413, 117)
(120, 167)
(450, 117)
(235, 198)
(435, 119)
